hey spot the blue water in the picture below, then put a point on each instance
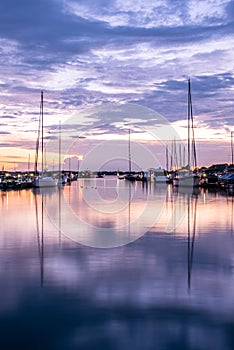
(171, 287)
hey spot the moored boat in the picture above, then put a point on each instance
(42, 180)
(186, 176)
(226, 180)
(130, 176)
(160, 175)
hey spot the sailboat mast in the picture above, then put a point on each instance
(167, 158)
(172, 154)
(129, 153)
(193, 137)
(180, 155)
(37, 143)
(175, 155)
(60, 149)
(42, 134)
(28, 162)
(189, 110)
(232, 145)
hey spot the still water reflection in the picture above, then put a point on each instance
(171, 287)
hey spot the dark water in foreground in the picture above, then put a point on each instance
(172, 287)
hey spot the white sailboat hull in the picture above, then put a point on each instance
(158, 175)
(45, 181)
(186, 181)
(160, 179)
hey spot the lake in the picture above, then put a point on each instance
(109, 264)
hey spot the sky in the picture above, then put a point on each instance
(90, 57)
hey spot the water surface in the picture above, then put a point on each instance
(171, 287)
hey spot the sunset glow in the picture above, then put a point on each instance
(122, 52)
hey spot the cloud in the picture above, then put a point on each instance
(150, 14)
(8, 117)
(36, 28)
(4, 133)
(90, 53)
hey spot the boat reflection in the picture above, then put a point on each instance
(192, 217)
(40, 232)
(40, 197)
(153, 209)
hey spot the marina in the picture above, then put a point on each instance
(116, 175)
(210, 177)
(117, 259)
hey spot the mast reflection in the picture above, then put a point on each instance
(184, 209)
(192, 218)
(40, 232)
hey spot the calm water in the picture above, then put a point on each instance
(69, 280)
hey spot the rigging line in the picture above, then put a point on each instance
(193, 135)
(189, 111)
(38, 142)
(129, 152)
(42, 133)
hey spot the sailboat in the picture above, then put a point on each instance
(42, 180)
(185, 176)
(130, 176)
